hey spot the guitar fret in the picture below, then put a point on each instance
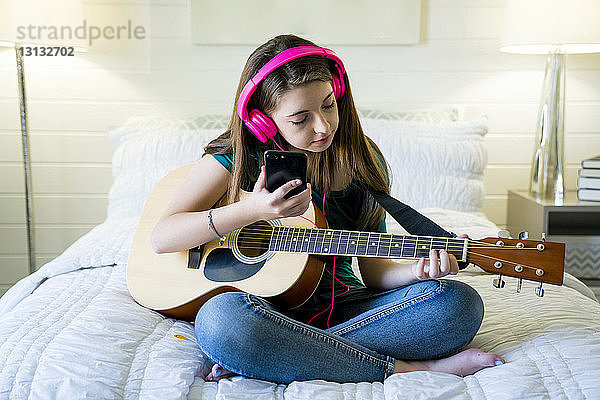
(384, 245)
(282, 238)
(396, 246)
(335, 241)
(344, 240)
(274, 239)
(284, 230)
(372, 246)
(422, 247)
(327, 241)
(440, 243)
(319, 241)
(310, 246)
(299, 239)
(409, 246)
(305, 236)
(456, 248)
(295, 235)
(352, 242)
(288, 239)
(363, 244)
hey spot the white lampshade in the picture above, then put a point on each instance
(42, 22)
(542, 26)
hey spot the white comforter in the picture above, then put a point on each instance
(72, 331)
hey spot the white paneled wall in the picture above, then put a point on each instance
(73, 100)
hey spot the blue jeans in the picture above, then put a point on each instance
(250, 336)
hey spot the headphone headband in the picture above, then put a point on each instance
(276, 62)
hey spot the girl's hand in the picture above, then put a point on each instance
(273, 205)
(440, 264)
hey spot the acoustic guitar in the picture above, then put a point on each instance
(282, 259)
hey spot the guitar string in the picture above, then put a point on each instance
(506, 261)
(441, 244)
(260, 244)
(257, 239)
(283, 250)
(406, 237)
(473, 244)
(258, 232)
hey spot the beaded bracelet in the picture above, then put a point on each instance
(212, 227)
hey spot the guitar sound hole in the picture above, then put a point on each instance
(253, 240)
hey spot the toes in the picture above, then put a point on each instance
(217, 373)
(487, 359)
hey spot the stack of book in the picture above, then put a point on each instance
(588, 184)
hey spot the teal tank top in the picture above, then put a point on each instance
(341, 211)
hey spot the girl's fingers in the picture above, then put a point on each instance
(434, 268)
(444, 263)
(260, 182)
(286, 187)
(453, 264)
(421, 274)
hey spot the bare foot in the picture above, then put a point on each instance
(217, 373)
(464, 363)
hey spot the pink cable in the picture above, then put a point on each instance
(333, 295)
(337, 295)
(332, 290)
(277, 144)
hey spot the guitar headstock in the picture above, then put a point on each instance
(527, 259)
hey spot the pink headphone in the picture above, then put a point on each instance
(258, 123)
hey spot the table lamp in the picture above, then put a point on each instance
(555, 28)
(16, 18)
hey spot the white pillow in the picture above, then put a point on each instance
(434, 165)
(147, 148)
(436, 116)
(143, 156)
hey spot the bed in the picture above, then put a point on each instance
(71, 330)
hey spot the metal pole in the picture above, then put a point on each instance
(26, 162)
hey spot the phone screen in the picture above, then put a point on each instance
(284, 166)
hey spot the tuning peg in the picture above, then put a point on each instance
(504, 234)
(539, 291)
(519, 283)
(543, 236)
(524, 235)
(498, 282)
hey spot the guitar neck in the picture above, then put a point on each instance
(361, 244)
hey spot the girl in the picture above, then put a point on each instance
(295, 95)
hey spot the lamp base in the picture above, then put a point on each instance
(547, 169)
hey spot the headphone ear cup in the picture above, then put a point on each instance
(260, 125)
(337, 83)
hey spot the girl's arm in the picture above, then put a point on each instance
(184, 223)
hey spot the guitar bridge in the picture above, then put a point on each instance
(195, 256)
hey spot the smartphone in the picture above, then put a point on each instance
(282, 167)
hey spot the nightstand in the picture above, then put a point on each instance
(576, 223)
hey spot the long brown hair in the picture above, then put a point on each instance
(351, 153)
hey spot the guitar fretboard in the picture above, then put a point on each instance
(363, 244)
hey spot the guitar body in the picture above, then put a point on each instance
(177, 284)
